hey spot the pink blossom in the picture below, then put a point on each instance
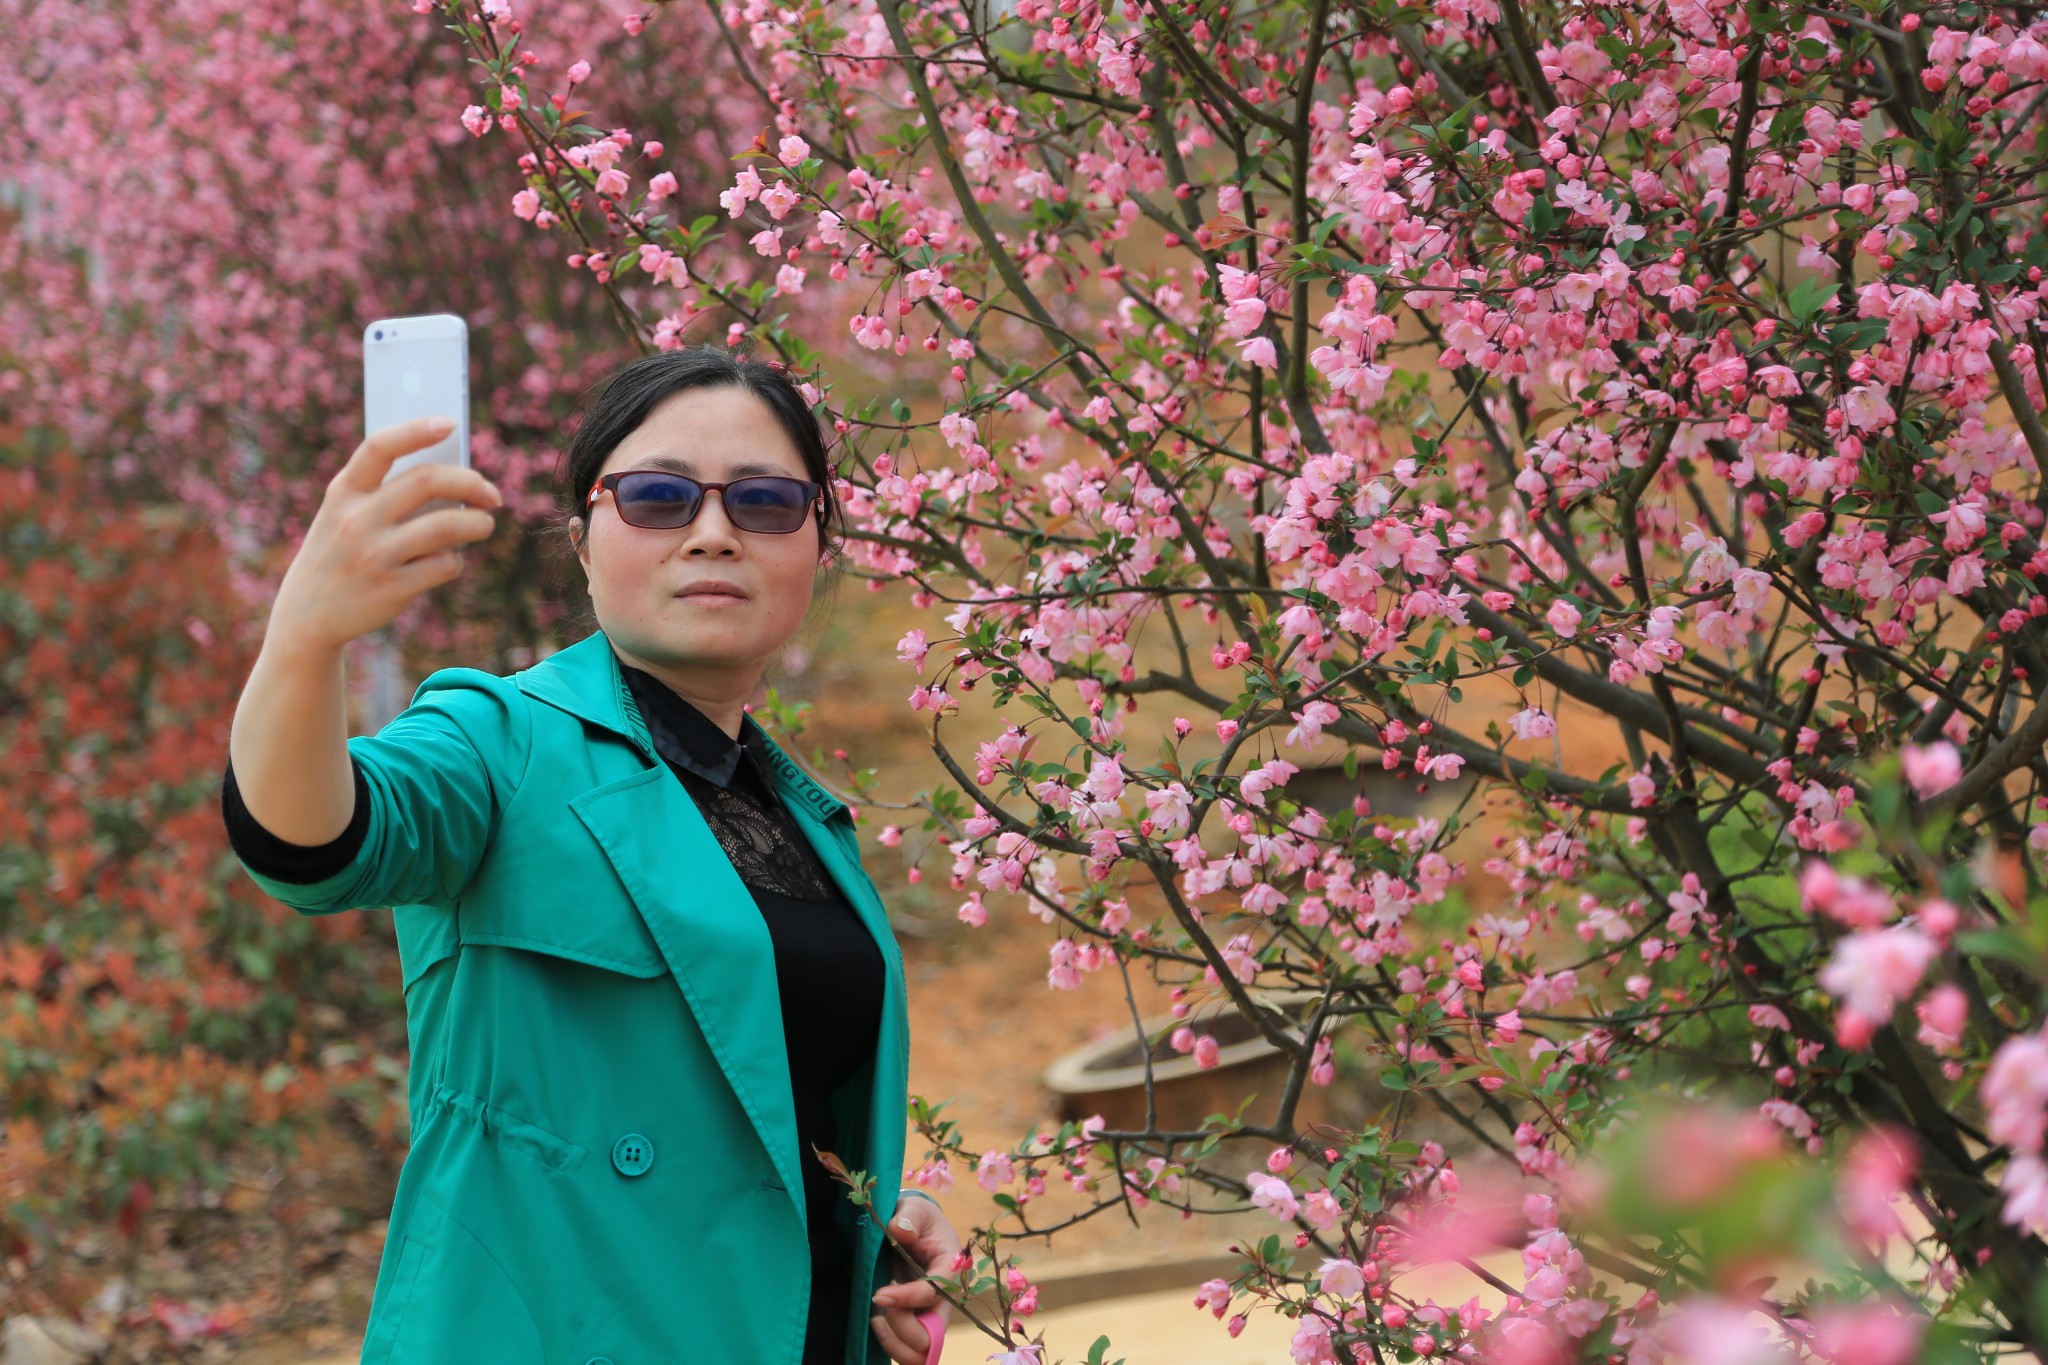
(1878, 1171)
(1169, 807)
(1310, 1344)
(1932, 769)
(1259, 351)
(1564, 618)
(2015, 1093)
(1712, 1331)
(1580, 1316)
(1788, 1116)
(1868, 408)
(1063, 974)
(661, 187)
(2026, 1194)
(1873, 969)
(1877, 1332)
(871, 332)
(994, 1170)
(1846, 900)
(1445, 767)
(1311, 720)
(1341, 1278)
(1274, 1195)
(1254, 785)
(1321, 1209)
(1943, 1014)
(1236, 284)
(746, 187)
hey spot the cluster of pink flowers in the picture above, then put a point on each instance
(2016, 1096)
(1776, 529)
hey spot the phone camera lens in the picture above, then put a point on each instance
(377, 335)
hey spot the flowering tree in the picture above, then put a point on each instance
(1319, 374)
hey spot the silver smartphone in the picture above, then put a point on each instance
(419, 367)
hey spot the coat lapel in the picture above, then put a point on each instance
(687, 892)
(715, 943)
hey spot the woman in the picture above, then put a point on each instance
(646, 980)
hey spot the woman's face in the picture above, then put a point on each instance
(641, 581)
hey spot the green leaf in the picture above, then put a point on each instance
(2006, 942)
(1100, 1349)
(1807, 299)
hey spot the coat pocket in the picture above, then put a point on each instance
(554, 1152)
(449, 1299)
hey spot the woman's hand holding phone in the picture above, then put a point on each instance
(365, 557)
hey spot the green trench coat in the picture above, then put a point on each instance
(604, 1162)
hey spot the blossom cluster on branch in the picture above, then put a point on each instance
(1457, 389)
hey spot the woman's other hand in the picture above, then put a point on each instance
(921, 1228)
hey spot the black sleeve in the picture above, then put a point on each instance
(301, 864)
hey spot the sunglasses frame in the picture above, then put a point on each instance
(814, 492)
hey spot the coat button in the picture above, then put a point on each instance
(598, 1360)
(633, 1154)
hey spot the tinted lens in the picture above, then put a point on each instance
(767, 503)
(656, 500)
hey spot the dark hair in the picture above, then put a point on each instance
(637, 389)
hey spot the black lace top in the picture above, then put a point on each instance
(828, 967)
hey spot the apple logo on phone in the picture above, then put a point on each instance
(411, 382)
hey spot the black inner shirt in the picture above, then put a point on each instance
(829, 970)
(827, 965)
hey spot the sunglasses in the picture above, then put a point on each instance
(655, 500)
